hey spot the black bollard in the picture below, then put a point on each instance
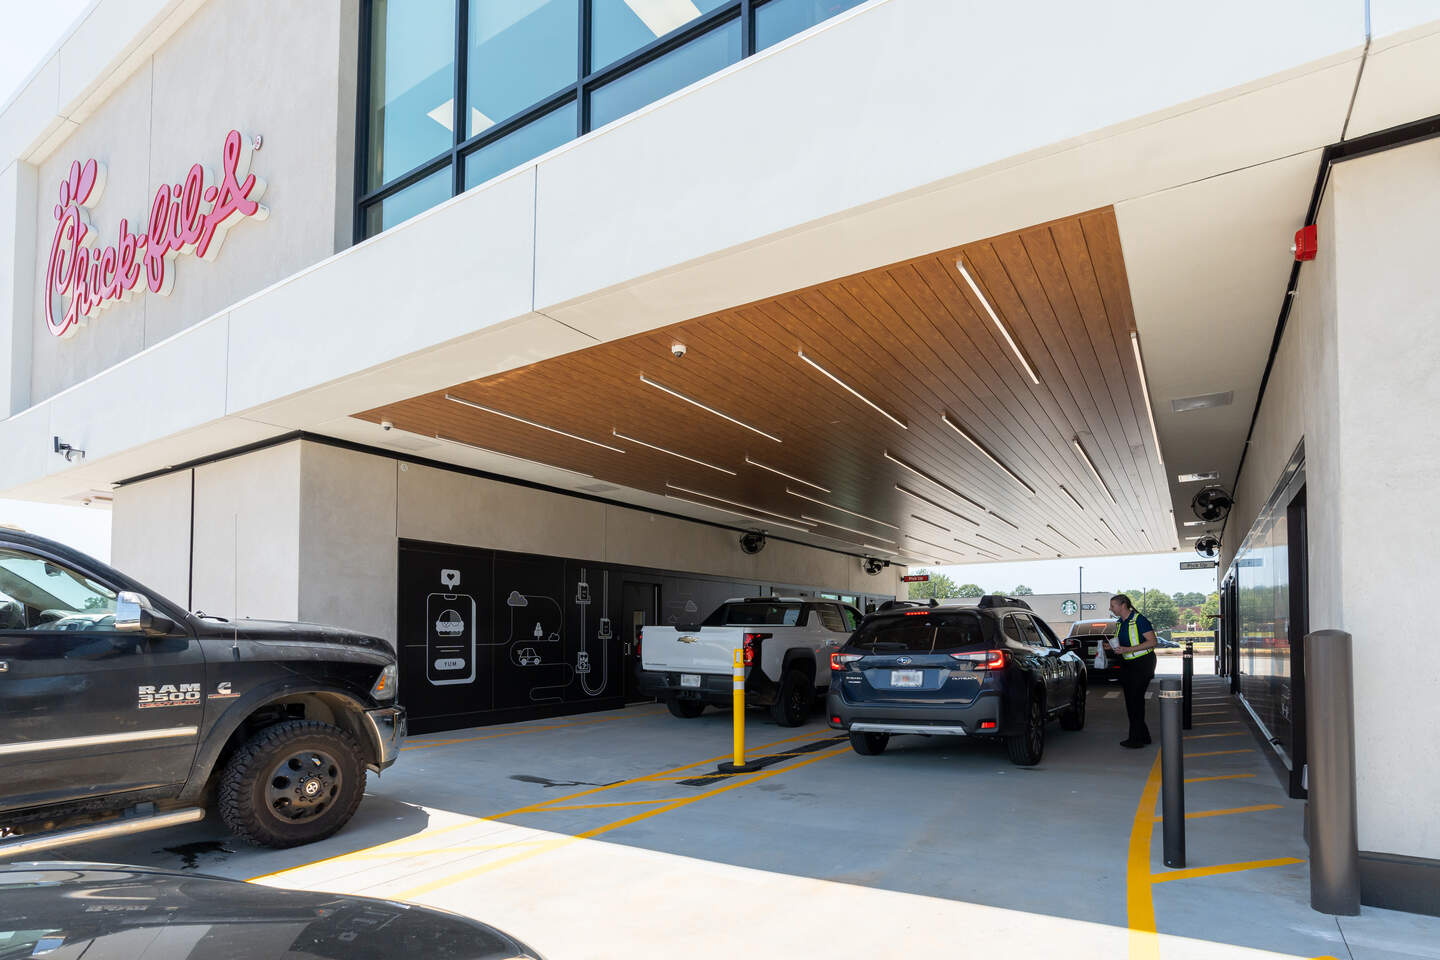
(1330, 736)
(1187, 674)
(1172, 773)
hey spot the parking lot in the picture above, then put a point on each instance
(609, 834)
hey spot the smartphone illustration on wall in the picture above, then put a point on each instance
(449, 638)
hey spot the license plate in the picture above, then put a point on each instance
(906, 678)
(689, 679)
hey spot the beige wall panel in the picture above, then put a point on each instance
(150, 534)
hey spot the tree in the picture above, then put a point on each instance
(1210, 608)
(1022, 591)
(1159, 608)
(969, 590)
(938, 586)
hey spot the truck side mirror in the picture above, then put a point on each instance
(134, 614)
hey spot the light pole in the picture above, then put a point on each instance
(1080, 596)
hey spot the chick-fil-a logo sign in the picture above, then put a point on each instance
(191, 216)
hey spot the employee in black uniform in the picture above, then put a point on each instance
(1137, 643)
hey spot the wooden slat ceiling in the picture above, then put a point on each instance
(913, 339)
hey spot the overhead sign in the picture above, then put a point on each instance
(916, 578)
(1198, 564)
(191, 216)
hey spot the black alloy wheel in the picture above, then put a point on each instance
(792, 702)
(304, 784)
(1028, 746)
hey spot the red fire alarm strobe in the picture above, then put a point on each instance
(1306, 243)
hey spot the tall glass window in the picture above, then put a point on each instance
(412, 85)
(445, 111)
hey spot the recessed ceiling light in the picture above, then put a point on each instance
(1203, 401)
(809, 519)
(1056, 531)
(945, 419)
(802, 496)
(981, 536)
(1075, 442)
(787, 476)
(856, 393)
(924, 499)
(1047, 546)
(1072, 496)
(1197, 477)
(511, 456)
(1112, 529)
(929, 479)
(1003, 520)
(672, 453)
(1004, 331)
(733, 503)
(747, 516)
(531, 423)
(708, 409)
(1145, 391)
(927, 543)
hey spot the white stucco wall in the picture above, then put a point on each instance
(1388, 305)
(295, 87)
(150, 534)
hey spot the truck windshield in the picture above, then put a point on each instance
(757, 613)
(932, 633)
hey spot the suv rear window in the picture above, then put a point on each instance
(759, 613)
(930, 633)
(1096, 629)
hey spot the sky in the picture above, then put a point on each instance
(31, 30)
(1158, 571)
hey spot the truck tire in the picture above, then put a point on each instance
(869, 744)
(292, 783)
(1028, 746)
(1073, 716)
(685, 709)
(792, 700)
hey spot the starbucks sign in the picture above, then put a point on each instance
(1069, 608)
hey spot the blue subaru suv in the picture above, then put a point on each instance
(994, 670)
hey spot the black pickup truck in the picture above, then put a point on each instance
(121, 712)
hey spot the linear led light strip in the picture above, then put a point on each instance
(980, 550)
(747, 516)
(672, 453)
(734, 503)
(511, 456)
(924, 499)
(945, 419)
(787, 476)
(861, 533)
(927, 542)
(1062, 536)
(1145, 390)
(1072, 496)
(1047, 546)
(796, 493)
(929, 479)
(1003, 546)
(916, 516)
(530, 423)
(1004, 331)
(708, 409)
(1075, 441)
(856, 393)
(1112, 529)
(1003, 520)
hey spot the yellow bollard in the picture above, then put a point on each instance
(738, 764)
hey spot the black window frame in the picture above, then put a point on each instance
(578, 92)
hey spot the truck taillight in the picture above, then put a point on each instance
(982, 659)
(842, 661)
(751, 641)
(639, 633)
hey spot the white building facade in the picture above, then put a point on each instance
(335, 302)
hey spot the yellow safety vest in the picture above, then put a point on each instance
(1134, 640)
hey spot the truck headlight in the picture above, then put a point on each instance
(384, 688)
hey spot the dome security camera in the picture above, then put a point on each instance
(678, 349)
(386, 425)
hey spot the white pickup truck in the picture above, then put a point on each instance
(787, 642)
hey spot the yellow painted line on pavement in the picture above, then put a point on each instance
(598, 806)
(1194, 872)
(1139, 900)
(1199, 814)
(1218, 753)
(471, 821)
(1223, 776)
(559, 842)
(1211, 736)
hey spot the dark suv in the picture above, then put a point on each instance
(992, 670)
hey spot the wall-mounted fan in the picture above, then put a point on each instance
(1212, 504)
(873, 565)
(753, 542)
(1208, 546)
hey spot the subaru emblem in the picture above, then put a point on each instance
(902, 659)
